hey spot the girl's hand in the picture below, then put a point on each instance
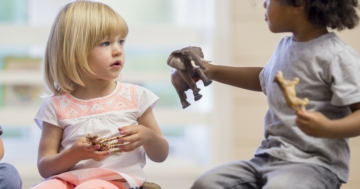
(314, 124)
(82, 150)
(135, 136)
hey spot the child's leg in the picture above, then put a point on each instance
(54, 184)
(9, 177)
(100, 184)
(284, 175)
(234, 175)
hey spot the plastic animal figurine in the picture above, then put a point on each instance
(188, 64)
(110, 144)
(288, 89)
(106, 144)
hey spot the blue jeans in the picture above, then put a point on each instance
(9, 177)
(267, 173)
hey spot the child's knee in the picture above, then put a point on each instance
(204, 181)
(98, 183)
(9, 176)
(53, 183)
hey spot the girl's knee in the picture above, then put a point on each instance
(53, 183)
(100, 184)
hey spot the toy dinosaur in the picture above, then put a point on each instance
(188, 64)
(106, 144)
(110, 144)
(288, 89)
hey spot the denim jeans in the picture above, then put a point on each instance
(267, 173)
(9, 177)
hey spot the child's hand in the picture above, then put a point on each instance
(136, 136)
(314, 123)
(82, 150)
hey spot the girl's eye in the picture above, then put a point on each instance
(122, 42)
(105, 43)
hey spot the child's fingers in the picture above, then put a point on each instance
(127, 130)
(100, 155)
(127, 139)
(89, 147)
(128, 147)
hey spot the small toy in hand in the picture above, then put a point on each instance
(106, 144)
(288, 89)
(188, 64)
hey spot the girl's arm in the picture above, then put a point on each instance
(1, 149)
(147, 134)
(317, 125)
(157, 148)
(51, 162)
(242, 77)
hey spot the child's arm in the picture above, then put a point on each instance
(51, 162)
(242, 77)
(148, 135)
(317, 125)
(1, 149)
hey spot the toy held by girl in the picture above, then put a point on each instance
(302, 148)
(84, 57)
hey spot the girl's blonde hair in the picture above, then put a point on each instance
(78, 28)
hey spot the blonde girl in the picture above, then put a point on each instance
(84, 57)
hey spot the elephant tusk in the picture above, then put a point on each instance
(193, 64)
(208, 61)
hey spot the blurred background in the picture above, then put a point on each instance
(226, 124)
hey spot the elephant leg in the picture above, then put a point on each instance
(183, 100)
(180, 87)
(186, 76)
(203, 77)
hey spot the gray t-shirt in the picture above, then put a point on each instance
(329, 73)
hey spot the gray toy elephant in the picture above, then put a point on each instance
(188, 64)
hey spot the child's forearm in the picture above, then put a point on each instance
(347, 127)
(242, 77)
(53, 164)
(157, 149)
(1, 149)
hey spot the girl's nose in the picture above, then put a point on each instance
(118, 50)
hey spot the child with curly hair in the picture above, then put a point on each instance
(304, 148)
(83, 59)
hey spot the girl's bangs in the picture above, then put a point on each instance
(112, 25)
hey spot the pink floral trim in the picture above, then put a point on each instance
(123, 98)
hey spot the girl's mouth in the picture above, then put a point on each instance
(116, 64)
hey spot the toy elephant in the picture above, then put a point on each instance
(188, 64)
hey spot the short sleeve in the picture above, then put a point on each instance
(344, 70)
(47, 113)
(146, 99)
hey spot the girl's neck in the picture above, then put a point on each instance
(94, 89)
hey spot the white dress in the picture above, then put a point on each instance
(100, 116)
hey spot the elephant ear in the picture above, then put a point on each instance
(175, 61)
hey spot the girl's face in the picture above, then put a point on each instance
(107, 58)
(278, 16)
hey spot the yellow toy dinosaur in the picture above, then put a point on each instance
(288, 89)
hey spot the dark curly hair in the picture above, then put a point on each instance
(335, 14)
